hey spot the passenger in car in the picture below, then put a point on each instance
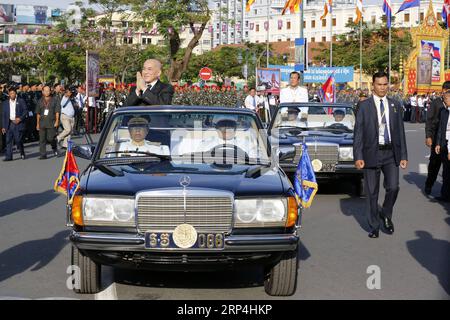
(226, 135)
(138, 129)
(339, 116)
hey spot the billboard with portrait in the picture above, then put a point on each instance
(268, 80)
(92, 73)
(429, 63)
(6, 13)
(29, 14)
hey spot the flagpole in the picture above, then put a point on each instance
(360, 53)
(268, 28)
(448, 47)
(68, 207)
(301, 37)
(331, 36)
(390, 57)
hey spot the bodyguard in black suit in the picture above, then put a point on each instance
(13, 119)
(149, 90)
(380, 146)
(431, 128)
(442, 148)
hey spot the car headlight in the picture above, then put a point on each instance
(346, 154)
(250, 213)
(108, 212)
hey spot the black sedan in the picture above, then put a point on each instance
(327, 130)
(184, 188)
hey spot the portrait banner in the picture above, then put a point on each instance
(268, 80)
(92, 73)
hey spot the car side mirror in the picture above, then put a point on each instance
(84, 151)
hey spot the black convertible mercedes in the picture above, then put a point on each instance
(184, 188)
(327, 130)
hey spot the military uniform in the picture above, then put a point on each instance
(146, 147)
(47, 130)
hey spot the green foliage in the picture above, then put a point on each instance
(346, 52)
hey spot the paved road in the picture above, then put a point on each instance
(335, 250)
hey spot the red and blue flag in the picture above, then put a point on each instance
(387, 9)
(408, 4)
(446, 13)
(328, 90)
(68, 181)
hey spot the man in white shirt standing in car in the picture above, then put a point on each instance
(294, 93)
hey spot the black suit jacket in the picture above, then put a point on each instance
(441, 139)
(21, 112)
(365, 140)
(159, 94)
(432, 123)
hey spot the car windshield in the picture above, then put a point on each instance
(189, 139)
(320, 117)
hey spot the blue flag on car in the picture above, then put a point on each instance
(305, 183)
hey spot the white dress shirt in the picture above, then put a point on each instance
(298, 94)
(146, 147)
(386, 113)
(251, 102)
(12, 109)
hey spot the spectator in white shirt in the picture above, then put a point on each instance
(251, 101)
(67, 118)
(294, 93)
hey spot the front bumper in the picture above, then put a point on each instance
(136, 242)
(128, 251)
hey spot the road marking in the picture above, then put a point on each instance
(423, 168)
(410, 130)
(110, 293)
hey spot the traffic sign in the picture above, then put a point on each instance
(205, 73)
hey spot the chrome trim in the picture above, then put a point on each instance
(185, 193)
(135, 242)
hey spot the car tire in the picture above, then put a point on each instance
(90, 273)
(360, 190)
(281, 279)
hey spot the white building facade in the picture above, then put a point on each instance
(287, 28)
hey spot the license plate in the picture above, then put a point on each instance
(164, 240)
(328, 167)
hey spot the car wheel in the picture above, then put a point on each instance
(89, 272)
(281, 280)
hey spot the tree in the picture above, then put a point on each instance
(346, 51)
(171, 16)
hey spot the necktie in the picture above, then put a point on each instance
(254, 102)
(383, 121)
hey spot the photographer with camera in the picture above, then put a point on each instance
(68, 110)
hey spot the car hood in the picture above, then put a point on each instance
(273, 182)
(314, 136)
